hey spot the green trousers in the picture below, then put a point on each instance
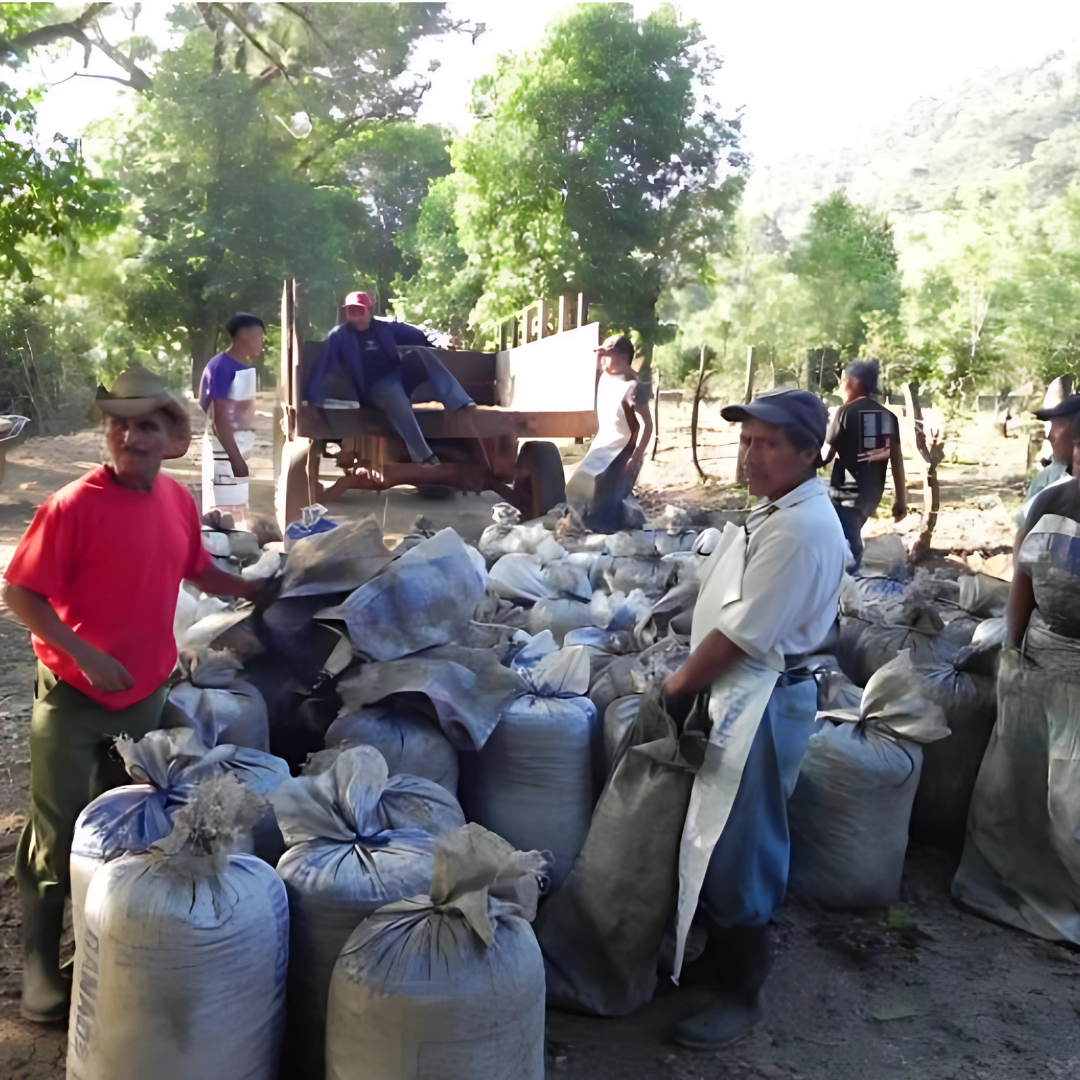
(70, 766)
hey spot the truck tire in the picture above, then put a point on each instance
(539, 481)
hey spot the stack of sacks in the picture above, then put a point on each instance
(532, 782)
(358, 839)
(873, 632)
(449, 984)
(632, 674)
(182, 970)
(850, 809)
(507, 537)
(673, 531)
(689, 565)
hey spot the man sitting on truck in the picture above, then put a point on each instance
(360, 365)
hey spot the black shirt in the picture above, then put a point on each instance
(858, 428)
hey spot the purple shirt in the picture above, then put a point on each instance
(217, 379)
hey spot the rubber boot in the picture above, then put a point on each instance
(743, 957)
(46, 994)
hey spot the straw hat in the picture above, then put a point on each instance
(138, 392)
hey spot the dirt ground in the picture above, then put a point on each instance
(922, 991)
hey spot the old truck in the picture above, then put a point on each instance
(540, 385)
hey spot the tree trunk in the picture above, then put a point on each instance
(656, 421)
(694, 414)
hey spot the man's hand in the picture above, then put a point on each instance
(239, 467)
(103, 671)
(899, 510)
(676, 701)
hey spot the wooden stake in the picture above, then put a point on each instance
(694, 414)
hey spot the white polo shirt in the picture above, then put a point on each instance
(791, 580)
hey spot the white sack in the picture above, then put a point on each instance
(182, 972)
(167, 767)
(446, 987)
(638, 542)
(532, 783)
(235, 713)
(357, 840)
(410, 743)
(850, 809)
(559, 617)
(519, 577)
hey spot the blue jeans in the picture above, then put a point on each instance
(391, 395)
(852, 522)
(748, 872)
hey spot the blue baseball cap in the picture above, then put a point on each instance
(791, 408)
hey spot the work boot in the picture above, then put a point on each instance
(743, 958)
(45, 992)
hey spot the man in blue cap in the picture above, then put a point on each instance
(863, 438)
(1059, 420)
(360, 362)
(768, 598)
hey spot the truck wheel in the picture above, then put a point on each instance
(539, 481)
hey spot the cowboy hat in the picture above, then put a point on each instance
(139, 392)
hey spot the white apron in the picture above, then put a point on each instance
(613, 429)
(220, 488)
(737, 703)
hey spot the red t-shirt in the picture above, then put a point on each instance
(110, 561)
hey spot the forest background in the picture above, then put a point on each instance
(255, 142)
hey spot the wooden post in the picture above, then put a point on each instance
(545, 319)
(931, 456)
(751, 365)
(694, 413)
(582, 309)
(656, 421)
(564, 314)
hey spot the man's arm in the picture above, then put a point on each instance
(896, 459)
(222, 414)
(218, 582)
(1019, 608)
(36, 613)
(644, 433)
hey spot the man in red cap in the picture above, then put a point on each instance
(360, 365)
(95, 579)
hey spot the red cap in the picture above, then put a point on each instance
(358, 299)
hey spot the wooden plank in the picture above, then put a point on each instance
(438, 423)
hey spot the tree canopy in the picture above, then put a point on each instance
(597, 163)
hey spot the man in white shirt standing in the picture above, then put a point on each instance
(769, 597)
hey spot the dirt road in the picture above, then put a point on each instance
(922, 991)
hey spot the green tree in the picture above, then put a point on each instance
(47, 192)
(598, 163)
(277, 142)
(846, 263)
(446, 284)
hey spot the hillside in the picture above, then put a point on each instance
(1015, 129)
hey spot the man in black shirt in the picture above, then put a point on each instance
(863, 438)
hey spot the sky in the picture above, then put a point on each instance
(807, 76)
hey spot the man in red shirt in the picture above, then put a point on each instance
(95, 579)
